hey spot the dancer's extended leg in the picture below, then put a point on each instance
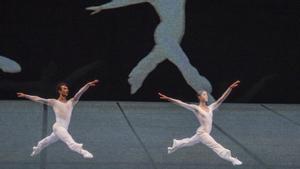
(64, 136)
(177, 144)
(224, 153)
(44, 143)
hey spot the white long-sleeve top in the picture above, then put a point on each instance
(205, 118)
(62, 110)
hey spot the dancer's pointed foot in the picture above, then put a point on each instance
(236, 161)
(173, 148)
(170, 150)
(86, 154)
(35, 151)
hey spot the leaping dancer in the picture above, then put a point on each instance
(63, 111)
(204, 114)
(167, 36)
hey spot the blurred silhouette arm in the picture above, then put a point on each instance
(114, 4)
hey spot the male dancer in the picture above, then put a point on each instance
(204, 115)
(63, 111)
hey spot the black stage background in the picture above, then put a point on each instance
(254, 41)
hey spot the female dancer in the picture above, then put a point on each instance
(204, 114)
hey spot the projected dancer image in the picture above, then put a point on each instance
(167, 36)
(63, 111)
(9, 66)
(204, 114)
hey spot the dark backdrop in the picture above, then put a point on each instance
(254, 41)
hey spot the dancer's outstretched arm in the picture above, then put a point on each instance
(77, 96)
(38, 99)
(178, 102)
(217, 103)
(114, 4)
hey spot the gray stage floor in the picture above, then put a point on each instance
(135, 135)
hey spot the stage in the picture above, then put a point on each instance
(135, 135)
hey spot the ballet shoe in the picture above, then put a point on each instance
(35, 151)
(236, 161)
(86, 154)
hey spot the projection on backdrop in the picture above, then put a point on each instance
(167, 36)
(9, 66)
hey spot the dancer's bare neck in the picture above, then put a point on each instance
(62, 98)
(202, 104)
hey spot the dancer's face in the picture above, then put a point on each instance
(203, 97)
(64, 91)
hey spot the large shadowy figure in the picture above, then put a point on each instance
(167, 36)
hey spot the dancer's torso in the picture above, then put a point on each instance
(63, 112)
(205, 119)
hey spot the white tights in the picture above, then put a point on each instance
(60, 133)
(207, 140)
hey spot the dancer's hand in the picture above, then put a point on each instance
(163, 97)
(234, 85)
(95, 9)
(93, 83)
(19, 94)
